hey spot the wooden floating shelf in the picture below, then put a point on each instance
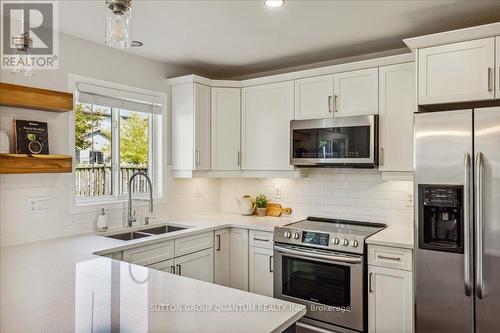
(21, 163)
(35, 98)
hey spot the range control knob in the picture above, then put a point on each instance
(345, 242)
(354, 243)
(296, 235)
(336, 241)
(287, 234)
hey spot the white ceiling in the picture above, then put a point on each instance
(225, 39)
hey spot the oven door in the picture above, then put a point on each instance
(329, 283)
(346, 141)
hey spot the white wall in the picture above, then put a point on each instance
(81, 57)
(360, 195)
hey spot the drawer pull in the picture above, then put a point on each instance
(260, 239)
(389, 258)
(370, 283)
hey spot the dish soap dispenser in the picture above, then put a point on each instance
(102, 221)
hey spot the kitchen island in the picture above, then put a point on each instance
(60, 285)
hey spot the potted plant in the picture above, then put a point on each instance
(261, 204)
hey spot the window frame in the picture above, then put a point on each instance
(156, 151)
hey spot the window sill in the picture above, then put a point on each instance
(92, 205)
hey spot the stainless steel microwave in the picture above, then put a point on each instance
(341, 142)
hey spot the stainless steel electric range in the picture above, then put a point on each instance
(321, 263)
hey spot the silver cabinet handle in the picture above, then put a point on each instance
(179, 270)
(261, 239)
(172, 269)
(238, 162)
(197, 157)
(382, 156)
(330, 104)
(490, 77)
(389, 258)
(467, 233)
(270, 264)
(370, 282)
(218, 243)
(335, 97)
(479, 224)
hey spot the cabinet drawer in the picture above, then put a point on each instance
(391, 257)
(148, 254)
(165, 265)
(262, 239)
(193, 243)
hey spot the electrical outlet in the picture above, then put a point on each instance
(39, 205)
(409, 199)
(277, 192)
(198, 194)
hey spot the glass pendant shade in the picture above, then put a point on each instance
(118, 23)
(22, 59)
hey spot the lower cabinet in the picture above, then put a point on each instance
(238, 239)
(390, 298)
(222, 267)
(261, 271)
(198, 265)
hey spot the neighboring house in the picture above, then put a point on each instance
(89, 155)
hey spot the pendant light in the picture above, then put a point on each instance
(118, 23)
(23, 42)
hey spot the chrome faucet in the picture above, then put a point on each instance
(131, 219)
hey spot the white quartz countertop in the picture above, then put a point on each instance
(59, 285)
(393, 236)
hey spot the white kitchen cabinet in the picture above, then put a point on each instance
(190, 127)
(261, 271)
(266, 113)
(456, 72)
(397, 100)
(497, 69)
(239, 258)
(225, 129)
(314, 97)
(165, 266)
(390, 300)
(355, 93)
(198, 265)
(193, 243)
(222, 265)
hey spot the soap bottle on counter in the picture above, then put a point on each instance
(102, 221)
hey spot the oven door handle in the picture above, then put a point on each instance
(312, 254)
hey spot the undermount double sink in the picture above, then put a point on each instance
(130, 235)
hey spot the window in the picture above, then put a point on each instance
(115, 137)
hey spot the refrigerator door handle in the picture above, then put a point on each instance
(467, 231)
(479, 224)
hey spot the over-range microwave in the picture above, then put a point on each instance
(335, 142)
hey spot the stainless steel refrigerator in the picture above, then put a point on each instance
(457, 219)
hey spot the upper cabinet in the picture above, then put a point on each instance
(314, 97)
(457, 72)
(226, 116)
(266, 113)
(355, 93)
(397, 105)
(190, 127)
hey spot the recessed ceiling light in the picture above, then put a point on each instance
(274, 3)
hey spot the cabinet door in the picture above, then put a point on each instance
(314, 97)
(356, 93)
(397, 104)
(261, 271)
(202, 127)
(222, 259)
(239, 258)
(182, 127)
(226, 129)
(390, 300)
(456, 72)
(165, 266)
(497, 70)
(198, 265)
(267, 111)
